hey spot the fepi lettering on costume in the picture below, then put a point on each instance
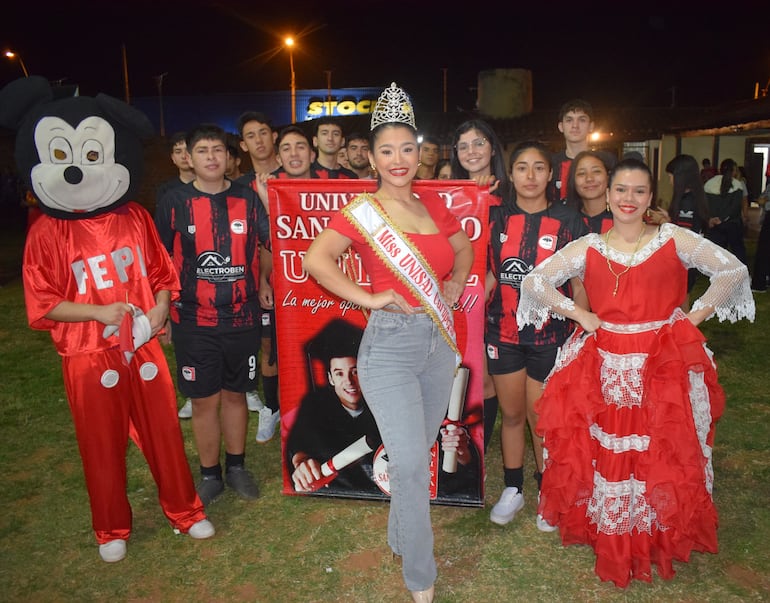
(120, 259)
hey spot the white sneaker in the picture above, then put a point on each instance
(201, 530)
(254, 402)
(186, 411)
(267, 423)
(544, 526)
(112, 551)
(541, 523)
(511, 502)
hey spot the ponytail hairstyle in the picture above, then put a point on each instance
(727, 169)
(686, 173)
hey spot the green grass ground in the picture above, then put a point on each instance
(292, 549)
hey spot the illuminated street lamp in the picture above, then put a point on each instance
(290, 45)
(16, 55)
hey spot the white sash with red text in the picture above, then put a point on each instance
(406, 262)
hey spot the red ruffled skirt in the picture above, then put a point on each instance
(628, 425)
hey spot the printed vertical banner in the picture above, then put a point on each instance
(325, 423)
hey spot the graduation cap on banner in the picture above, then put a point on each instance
(338, 339)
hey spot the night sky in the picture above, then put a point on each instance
(694, 57)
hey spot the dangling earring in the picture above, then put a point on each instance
(649, 212)
(607, 205)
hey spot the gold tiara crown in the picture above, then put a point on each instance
(393, 106)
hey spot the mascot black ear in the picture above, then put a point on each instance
(19, 97)
(132, 119)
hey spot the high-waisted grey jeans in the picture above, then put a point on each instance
(405, 368)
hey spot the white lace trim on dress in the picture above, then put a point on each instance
(620, 507)
(729, 292)
(619, 444)
(701, 414)
(622, 378)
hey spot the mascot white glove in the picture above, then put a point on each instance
(141, 331)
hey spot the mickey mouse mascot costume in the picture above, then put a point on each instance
(97, 277)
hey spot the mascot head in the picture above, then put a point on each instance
(81, 156)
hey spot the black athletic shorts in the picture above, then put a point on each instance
(505, 358)
(268, 321)
(209, 361)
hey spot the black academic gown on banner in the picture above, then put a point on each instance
(323, 428)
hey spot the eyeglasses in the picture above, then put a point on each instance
(478, 143)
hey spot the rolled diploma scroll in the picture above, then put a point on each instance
(454, 412)
(342, 459)
(346, 456)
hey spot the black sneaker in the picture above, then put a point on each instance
(242, 482)
(209, 488)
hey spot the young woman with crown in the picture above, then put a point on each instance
(408, 353)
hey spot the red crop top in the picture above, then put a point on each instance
(435, 248)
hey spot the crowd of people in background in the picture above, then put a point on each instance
(589, 212)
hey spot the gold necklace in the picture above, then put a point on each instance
(630, 262)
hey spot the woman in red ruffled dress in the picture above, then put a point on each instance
(628, 412)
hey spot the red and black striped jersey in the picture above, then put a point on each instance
(519, 241)
(320, 171)
(600, 223)
(214, 243)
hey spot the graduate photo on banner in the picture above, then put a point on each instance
(326, 425)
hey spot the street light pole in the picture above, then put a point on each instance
(125, 74)
(290, 45)
(159, 81)
(15, 55)
(444, 69)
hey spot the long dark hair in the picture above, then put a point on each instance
(573, 199)
(496, 163)
(632, 164)
(375, 134)
(687, 180)
(525, 146)
(727, 169)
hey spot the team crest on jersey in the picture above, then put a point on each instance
(191, 228)
(216, 268)
(547, 242)
(492, 352)
(503, 237)
(188, 373)
(513, 271)
(238, 226)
